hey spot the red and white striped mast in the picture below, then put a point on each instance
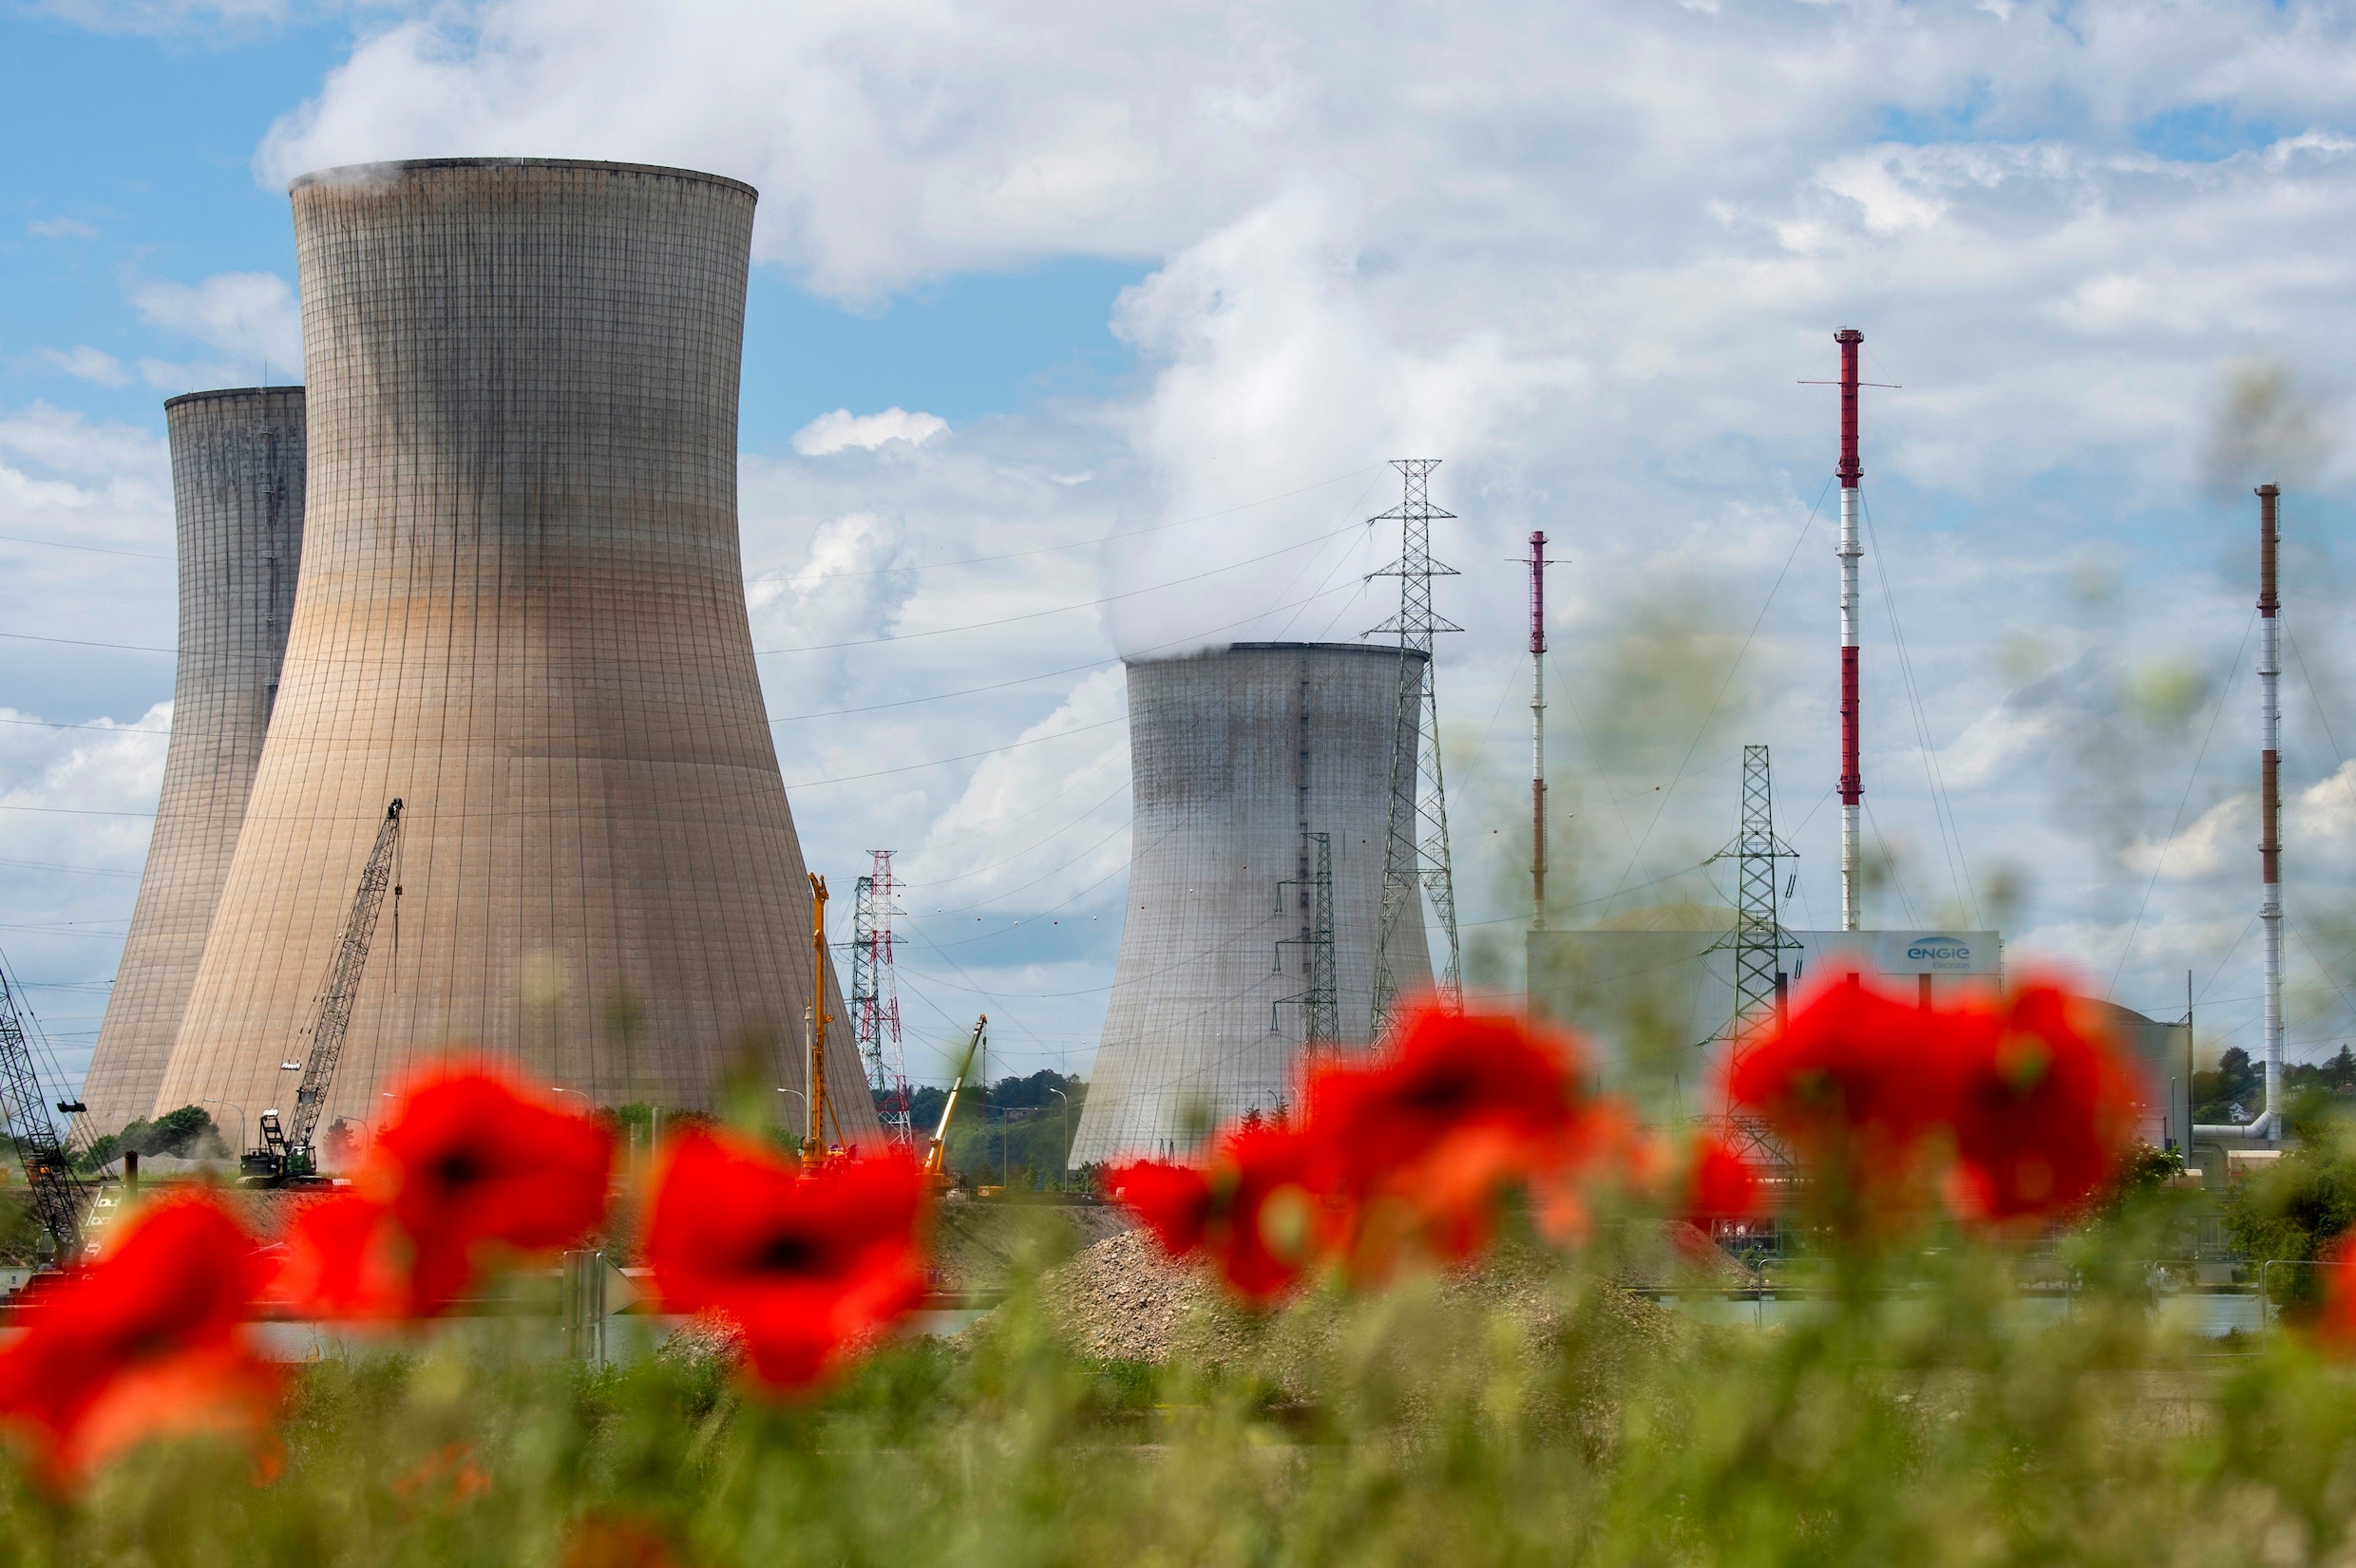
(1852, 775)
(2269, 802)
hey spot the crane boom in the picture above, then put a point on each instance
(56, 1191)
(342, 986)
(937, 1156)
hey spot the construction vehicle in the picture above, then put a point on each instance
(58, 1195)
(937, 1152)
(287, 1155)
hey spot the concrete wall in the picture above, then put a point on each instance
(522, 612)
(237, 507)
(1231, 755)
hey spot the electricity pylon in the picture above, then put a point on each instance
(1759, 943)
(1416, 856)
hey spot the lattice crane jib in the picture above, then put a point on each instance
(1417, 859)
(1758, 940)
(333, 1018)
(57, 1193)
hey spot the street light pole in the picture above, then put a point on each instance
(1064, 1126)
(241, 1117)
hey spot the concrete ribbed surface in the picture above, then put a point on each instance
(1231, 755)
(237, 509)
(522, 612)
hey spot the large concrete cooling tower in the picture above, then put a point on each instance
(521, 613)
(238, 504)
(1235, 759)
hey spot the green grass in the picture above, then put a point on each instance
(1415, 1427)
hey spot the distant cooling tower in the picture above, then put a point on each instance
(1235, 758)
(522, 613)
(238, 505)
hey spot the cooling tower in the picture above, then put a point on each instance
(1235, 757)
(238, 505)
(522, 613)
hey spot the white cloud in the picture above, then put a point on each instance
(250, 316)
(2223, 836)
(1584, 253)
(88, 364)
(1037, 826)
(852, 583)
(842, 429)
(60, 228)
(71, 443)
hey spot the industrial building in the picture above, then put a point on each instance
(237, 510)
(522, 611)
(1654, 991)
(1262, 776)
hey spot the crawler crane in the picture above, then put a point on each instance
(288, 1156)
(57, 1193)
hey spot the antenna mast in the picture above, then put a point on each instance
(1538, 565)
(1416, 856)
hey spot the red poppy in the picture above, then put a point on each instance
(1446, 1076)
(1723, 1185)
(1860, 1082)
(2335, 1325)
(343, 1257)
(609, 1539)
(470, 1162)
(1253, 1209)
(2046, 1108)
(1424, 1138)
(809, 1266)
(149, 1342)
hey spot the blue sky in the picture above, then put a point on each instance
(1059, 275)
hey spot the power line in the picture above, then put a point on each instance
(1703, 728)
(780, 573)
(1059, 609)
(1941, 807)
(2161, 860)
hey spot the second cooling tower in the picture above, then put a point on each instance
(1237, 759)
(522, 613)
(238, 504)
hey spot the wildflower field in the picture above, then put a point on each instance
(1363, 1402)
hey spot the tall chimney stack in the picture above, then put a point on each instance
(1852, 775)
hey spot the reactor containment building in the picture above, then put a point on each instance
(522, 611)
(238, 461)
(1261, 778)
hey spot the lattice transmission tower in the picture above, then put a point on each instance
(1319, 997)
(1759, 943)
(1415, 858)
(874, 997)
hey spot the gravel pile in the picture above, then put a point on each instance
(1124, 1299)
(984, 1246)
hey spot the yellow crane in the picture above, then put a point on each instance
(937, 1155)
(814, 1142)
